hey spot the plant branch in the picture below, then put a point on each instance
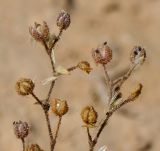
(49, 130)
(52, 64)
(72, 68)
(89, 139)
(23, 143)
(45, 46)
(57, 130)
(131, 98)
(57, 39)
(37, 99)
(89, 135)
(122, 79)
(45, 110)
(108, 82)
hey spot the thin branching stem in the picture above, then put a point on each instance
(72, 68)
(89, 139)
(57, 130)
(131, 98)
(93, 142)
(57, 39)
(122, 79)
(89, 135)
(37, 99)
(108, 82)
(46, 47)
(49, 130)
(45, 110)
(52, 64)
(23, 143)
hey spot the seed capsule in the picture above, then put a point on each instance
(33, 147)
(24, 86)
(63, 20)
(138, 55)
(40, 32)
(85, 66)
(89, 115)
(103, 54)
(59, 107)
(21, 129)
(136, 92)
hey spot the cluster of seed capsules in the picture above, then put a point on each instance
(41, 32)
(101, 55)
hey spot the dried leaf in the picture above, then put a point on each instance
(53, 56)
(103, 148)
(136, 93)
(62, 71)
(84, 66)
(48, 80)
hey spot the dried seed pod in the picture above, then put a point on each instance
(85, 66)
(138, 55)
(103, 54)
(136, 92)
(63, 20)
(21, 129)
(59, 107)
(33, 147)
(40, 32)
(24, 86)
(89, 115)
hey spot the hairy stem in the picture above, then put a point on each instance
(57, 39)
(57, 130)
(90, 142)
(91, 148)
(109, 83)
(49, 130)
(45, 109)
(52, 64)
(131, 98)
(37, 99)
(23, 144)
(89, 135)
(122, 79)
(72, 68)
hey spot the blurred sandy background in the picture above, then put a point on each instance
(123, 24)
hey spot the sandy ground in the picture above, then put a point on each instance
(123, 24)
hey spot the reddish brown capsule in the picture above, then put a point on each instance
(103, 54)
(21, 129)
(63, 20)
(40, 32)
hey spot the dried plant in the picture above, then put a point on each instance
(102, 56)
